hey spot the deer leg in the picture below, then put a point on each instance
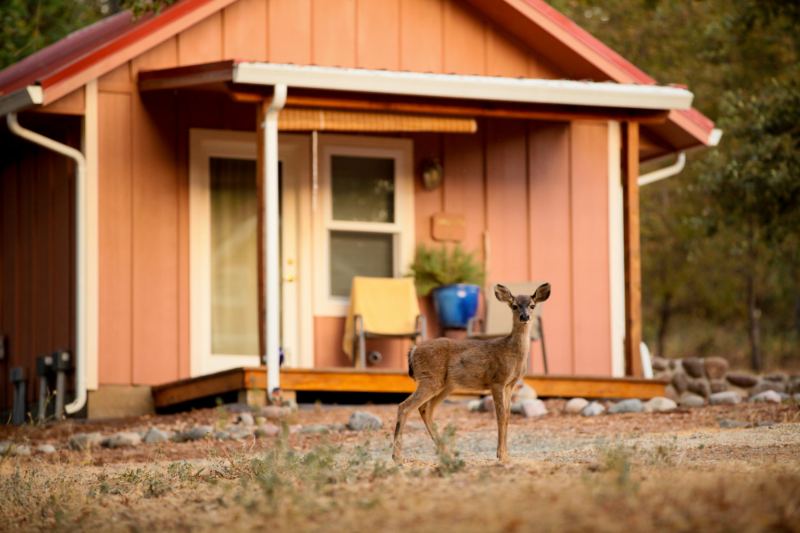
(426, 412)
(420, 396)
(499, 397)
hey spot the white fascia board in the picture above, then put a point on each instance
(524, 90)
(21, 99)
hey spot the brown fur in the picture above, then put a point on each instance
(441, 365)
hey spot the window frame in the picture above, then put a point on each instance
(402, 229)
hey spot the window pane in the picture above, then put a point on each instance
(362, 188)
(234, 260)
(359, 254)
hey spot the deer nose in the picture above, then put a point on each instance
(524, 317)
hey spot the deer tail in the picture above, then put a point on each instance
(411, 361)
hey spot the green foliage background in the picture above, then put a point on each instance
(721, 241)
(721, 269)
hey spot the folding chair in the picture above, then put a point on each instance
(499, 320)
(381, 308)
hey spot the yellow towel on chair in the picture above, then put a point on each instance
(389, 306)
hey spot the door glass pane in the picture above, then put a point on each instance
(359, 254)
(362, 188)
(234, 259)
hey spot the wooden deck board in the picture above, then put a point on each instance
(386, 381)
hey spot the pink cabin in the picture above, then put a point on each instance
(203, 146)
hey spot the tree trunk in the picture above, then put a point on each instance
(753, 319)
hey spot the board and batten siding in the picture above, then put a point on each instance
(538, 191)
(143, 173)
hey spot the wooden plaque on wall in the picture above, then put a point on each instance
(447, 227)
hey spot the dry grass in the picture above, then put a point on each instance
(331, 487)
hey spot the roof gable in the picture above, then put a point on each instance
(515, 38)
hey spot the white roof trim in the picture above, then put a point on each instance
(560, 92)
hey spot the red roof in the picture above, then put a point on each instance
(88, 53)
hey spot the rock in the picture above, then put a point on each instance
(796, 397)
(593, 409)
(694, 367)
(46, 449)
(123, 439)
(680, 381)
(660, 363)
(474, 406)
(741, 380)
(221, 435)
(20, 450)
(267, 430)
(295, 429)
(361, 420)
(575, 406)
(516, 408)
(767, 396)
(727, 423)
(85, 441)
(4, 447)
(663, 375)
(633, 405)
(315, 428)
(700, 387)
(724, 398)
(276, 412)
(716, 367)
(777, 377)
(523, 391)
(246, 419)
(659, 404)
(671, 393)
(155, 435)
(533, 408)
(239, 432)
(763, 385)
(688, 399)
(487, 404)
(718, 385)
(261, 420)
(794, 384)
(196, 433)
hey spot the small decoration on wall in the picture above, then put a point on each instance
(432, 173)
(448, 227)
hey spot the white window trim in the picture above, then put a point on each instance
(401, 150)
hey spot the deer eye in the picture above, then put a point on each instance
(514, 307)
(533, 306)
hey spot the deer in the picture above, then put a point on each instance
(441, 365)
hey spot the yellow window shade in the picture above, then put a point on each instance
(302, 119)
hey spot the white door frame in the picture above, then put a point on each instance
(297, 331)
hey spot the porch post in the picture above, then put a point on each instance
(267, 164)
(633, 266)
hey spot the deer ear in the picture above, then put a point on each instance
(502, 293)
(542, 293)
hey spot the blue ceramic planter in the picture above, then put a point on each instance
(456, 304)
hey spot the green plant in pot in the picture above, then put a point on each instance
(453, 277)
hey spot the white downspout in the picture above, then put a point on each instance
(272, 238)
(80, 289)
(664, 173)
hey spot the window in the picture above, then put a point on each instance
(366, 222)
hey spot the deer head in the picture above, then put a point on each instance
(522, 304)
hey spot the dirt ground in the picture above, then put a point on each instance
(633, 472)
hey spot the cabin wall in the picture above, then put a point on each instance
(37, 249)
(536, 194)
(493, 176)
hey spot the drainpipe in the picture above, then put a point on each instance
(80, 186)
(664, 173)
(271, 238)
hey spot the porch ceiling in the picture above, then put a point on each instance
(435, 94)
